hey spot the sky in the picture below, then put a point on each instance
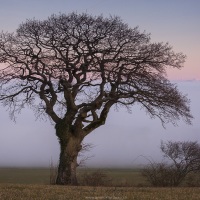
(125, 137)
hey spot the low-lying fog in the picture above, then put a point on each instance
(123, 142)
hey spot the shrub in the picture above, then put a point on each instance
(162, 175)
(184, 159)
(96, 178)
(193, 180)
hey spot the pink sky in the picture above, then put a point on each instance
(190, 71)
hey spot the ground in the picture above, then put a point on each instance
(33, 184)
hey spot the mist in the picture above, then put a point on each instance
(126, 140)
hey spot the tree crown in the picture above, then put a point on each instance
(80, 66)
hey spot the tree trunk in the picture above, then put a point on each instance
(67, 169)
(70, 146)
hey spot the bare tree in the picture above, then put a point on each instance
(184, 158)
(75, 67)
(184, 155)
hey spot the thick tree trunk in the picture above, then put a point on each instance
(70, 145)
(67, 169)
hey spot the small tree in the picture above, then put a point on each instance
(184, 155)
(74, 68)
(183, 158)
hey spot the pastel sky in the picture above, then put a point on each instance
(125, 136)
(173, 21)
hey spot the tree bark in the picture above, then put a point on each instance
(70, 146)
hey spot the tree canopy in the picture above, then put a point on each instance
(85, 62)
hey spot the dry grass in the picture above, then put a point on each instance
(33, 184)
(47, 192)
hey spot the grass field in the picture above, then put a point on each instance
(33, 184)
(24, 175)
(118, 177)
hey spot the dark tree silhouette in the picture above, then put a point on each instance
(185, 156)
(184, 159)
(75, 67)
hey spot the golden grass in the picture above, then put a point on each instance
(48, 192)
